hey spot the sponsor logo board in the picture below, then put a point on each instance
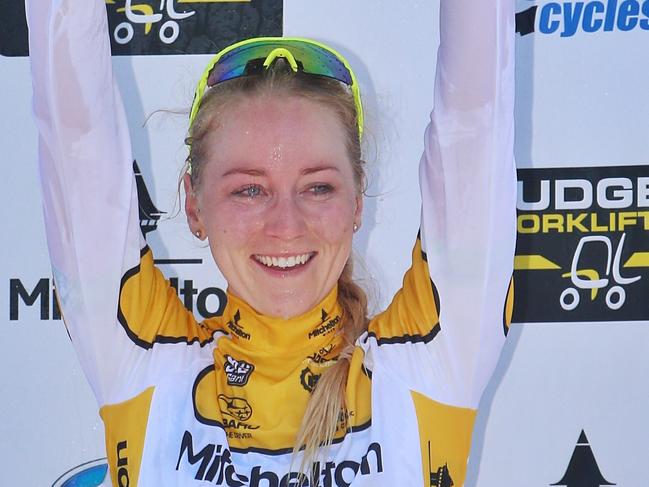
(155, 27)
(582, 252)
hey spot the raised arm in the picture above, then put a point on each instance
(442, 334)
(105, 279)
(468, 184)
(444, 330)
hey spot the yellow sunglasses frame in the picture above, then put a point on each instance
(275, 53)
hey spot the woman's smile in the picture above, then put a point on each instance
(284, 262)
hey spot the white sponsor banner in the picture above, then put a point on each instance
(581, 102)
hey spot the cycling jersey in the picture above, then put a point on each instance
(219, 402)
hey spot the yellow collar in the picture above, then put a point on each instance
(252, 330)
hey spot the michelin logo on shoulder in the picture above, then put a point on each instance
(570, 18)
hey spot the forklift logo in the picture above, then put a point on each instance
(143, 14)
(155, 27)
(589, 279)
(582, 252)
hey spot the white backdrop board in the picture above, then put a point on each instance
(569, 366)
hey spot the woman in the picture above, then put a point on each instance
(275, 184)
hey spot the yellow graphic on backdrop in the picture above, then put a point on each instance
(533, 263)
(638, 259)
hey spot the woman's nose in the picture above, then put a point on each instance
(285, 219)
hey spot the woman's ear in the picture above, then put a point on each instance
(358, 213)
(192, 209)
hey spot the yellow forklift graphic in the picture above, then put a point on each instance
(144, 14)
(583, 278)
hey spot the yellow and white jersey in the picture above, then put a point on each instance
(219, 402)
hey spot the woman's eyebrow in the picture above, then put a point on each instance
(261, 172)
(247, 172)
(311, 170)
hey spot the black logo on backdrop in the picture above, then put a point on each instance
(153, 27)
(583, 470)
(582, 252)
(149, 214)
(237, 371)
(526, 21)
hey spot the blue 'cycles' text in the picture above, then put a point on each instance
(569, 18)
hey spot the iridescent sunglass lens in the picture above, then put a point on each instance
(311, 58)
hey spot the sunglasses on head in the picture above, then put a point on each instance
(251, 57)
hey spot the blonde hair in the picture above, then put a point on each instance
(326, 409)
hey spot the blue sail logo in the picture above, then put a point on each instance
(89, 474)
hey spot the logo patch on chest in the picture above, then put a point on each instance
(236, 407)
(236, 411)
(237, 372)
(327, 325)
(236, 327)
(308, 379)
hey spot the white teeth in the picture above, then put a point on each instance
(283, 262)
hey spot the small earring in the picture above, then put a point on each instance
(355, 227)
(198, 234)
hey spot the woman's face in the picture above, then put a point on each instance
(278, 202)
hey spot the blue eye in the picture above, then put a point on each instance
(319, 189)
(251, 191)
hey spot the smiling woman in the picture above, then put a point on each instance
(277, 197)
(276, 185)
(294, 385)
